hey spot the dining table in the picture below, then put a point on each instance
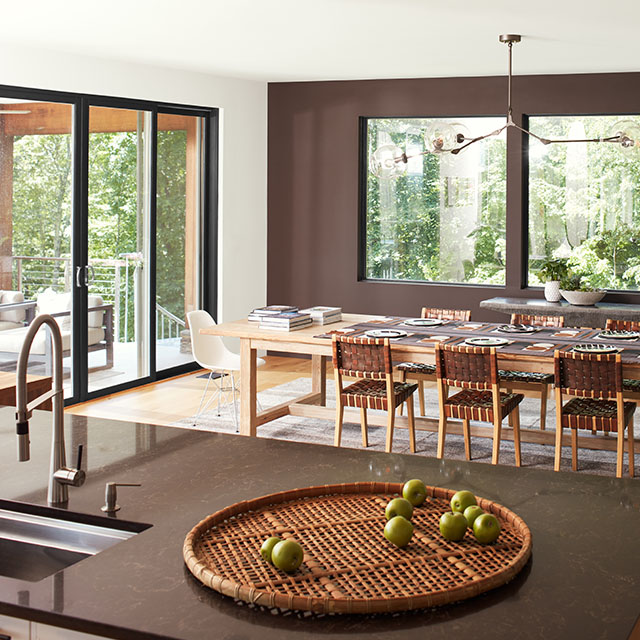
(412, 341)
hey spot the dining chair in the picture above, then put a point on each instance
(475, 371)
(370, 360)
(211, 353)
(419, 371)
(537, 321)
(630, 386)
(596, 382)
(532, 383)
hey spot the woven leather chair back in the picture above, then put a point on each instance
(362, 357)
(588, 375)
(622, 325)
(467, 367)
(446, 314)
(537, 321)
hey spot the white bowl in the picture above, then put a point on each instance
(582, 298)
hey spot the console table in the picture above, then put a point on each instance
(574, 315)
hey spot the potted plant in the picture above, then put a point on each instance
(575, 291)
(552, 271)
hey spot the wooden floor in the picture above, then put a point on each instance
(171, 400)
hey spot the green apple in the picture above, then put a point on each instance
(471, 513)
(486, 528)
(461, 500)
(399, 507)
(287, 555)
(453, 526)
(398, 531)
(267, 547)
(414, 491)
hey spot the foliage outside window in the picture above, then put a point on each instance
(444, 220)
(584, 203)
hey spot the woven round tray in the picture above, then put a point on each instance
(349, 567)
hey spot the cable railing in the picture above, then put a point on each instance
(113, 280)
(166, 319)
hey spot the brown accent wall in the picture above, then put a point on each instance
(313, 179)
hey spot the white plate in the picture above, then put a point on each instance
(543, 345)
(619, 335)
(423, 322)
(486, 342)
(595, 348)
(386, 333)
(517, 328)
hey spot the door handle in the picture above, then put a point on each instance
(84, 277)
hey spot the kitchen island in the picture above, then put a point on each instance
(583, 579)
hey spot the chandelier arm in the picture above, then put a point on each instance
(497, 132)
(610, 139)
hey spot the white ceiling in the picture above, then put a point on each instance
(283, 40)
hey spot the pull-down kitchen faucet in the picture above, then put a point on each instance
(60, 476)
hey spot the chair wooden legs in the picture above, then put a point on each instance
(556, 464)
(442, 432)
(574, 449)
(363, 426)
(412, 426)
(466, 430)
(391, 415)
(339, 416)
(421, 397)
(497, 434)
(619, 452)
(516, 435)
(630, 449)
(544, 394)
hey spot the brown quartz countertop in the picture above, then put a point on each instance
(583, 579)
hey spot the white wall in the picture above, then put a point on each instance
(243, 148)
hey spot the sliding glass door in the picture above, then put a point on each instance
(105, 221)
(118, 273)
(178, 234)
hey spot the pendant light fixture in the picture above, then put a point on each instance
(390, 161)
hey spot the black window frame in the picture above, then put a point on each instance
(208, 267)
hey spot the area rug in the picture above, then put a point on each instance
(313, 430)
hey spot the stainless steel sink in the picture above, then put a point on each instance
(36, 542)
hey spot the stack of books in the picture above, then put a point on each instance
(324, 315)
(288, 321)
(261, 312)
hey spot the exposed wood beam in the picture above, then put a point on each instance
(49, 118)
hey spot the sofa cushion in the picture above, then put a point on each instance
(50, 301)
(96, 318)
(4, 326)
(18, 315)
(11, 340)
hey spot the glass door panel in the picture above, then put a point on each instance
(178, 211)
(118, 246)
(36, 178)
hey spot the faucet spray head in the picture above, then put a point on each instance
(22, 431)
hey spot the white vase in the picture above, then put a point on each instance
(552, 291)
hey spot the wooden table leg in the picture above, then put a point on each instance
(319, 377)
(248, 388)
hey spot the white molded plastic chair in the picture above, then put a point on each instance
(211, 353)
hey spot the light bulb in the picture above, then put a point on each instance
(461, 133)
(440, 137)
(629, 135)
(388, 161)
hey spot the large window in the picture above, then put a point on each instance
(584, 202)
(444, 220)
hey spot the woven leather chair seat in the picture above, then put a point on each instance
(629, 384)
(525, 376)
(372, 394)
(587, 413)
(417, 367)
(471, 404)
